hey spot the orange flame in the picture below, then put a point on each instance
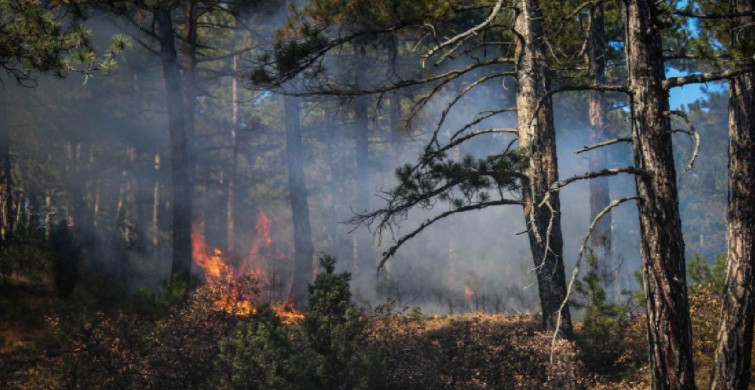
(468, 292)
(212, 263)
(218, 272)
(287, 313)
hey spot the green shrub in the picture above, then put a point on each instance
(260, 355)
(327, 351)
(701, 272)
(603, 321)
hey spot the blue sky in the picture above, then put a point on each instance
(681, 96)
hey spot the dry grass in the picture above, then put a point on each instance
(469, 351)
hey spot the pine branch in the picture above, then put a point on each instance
(477, 206)
(593, 174)
(698, 15)
(705, 77)
(586, 148)
(461, 94)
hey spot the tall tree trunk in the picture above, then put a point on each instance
(365, 256)
(48, 214)
(156, 206)
(6, 179)
(77, 182)
(179, 152)
(395, 101)
(230, 206)
(599, 190)
(189, 60)
(297, 188)
(537, 138)
(662, 244)
(134, 214)
(734, 343)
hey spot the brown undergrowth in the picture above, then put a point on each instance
(178, 349)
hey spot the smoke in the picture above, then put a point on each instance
(100, 142)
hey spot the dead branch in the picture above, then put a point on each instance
(692, 133)
(706, 77)
(575, 273)
(586, 148)
(477, 206)
(481, 116)
(465, 35)
(591, 175)
(460, 95)
(713, 15)
(472, 135)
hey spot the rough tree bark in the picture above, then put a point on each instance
(599, 189)
(734, 344)
(179, 156)
(6, 179)
(662, 244)
(537, 140)
(297, 188)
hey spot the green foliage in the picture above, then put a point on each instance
(603, 319)
(328, 350)
(701, 272)
(260, 355)
(27, 258)
(32, 38)
(335, 330)
(460, 183)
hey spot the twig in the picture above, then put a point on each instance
(477, 206)
(575, 273)
(464, 35)
(585, 148)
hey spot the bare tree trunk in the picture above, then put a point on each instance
(537, 138)
(96, 205)
(90, 186)
(297, 188)
(395, 104)
(365, 256)
(179, 150)
(734, 343)
(231, 197)
(599, 190)
(78, 214)
(189, 60)
(48, 214)
(6, 179)
(134, 215)
(202, 208)
(662, 244)
(156, 207)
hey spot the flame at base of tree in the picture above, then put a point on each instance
(238, 290)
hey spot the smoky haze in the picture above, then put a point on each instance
(106, 141)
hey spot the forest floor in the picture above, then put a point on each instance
(41, 345)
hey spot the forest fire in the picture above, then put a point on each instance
(236, 297)
(468, 292)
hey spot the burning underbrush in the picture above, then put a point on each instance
(243, 286)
